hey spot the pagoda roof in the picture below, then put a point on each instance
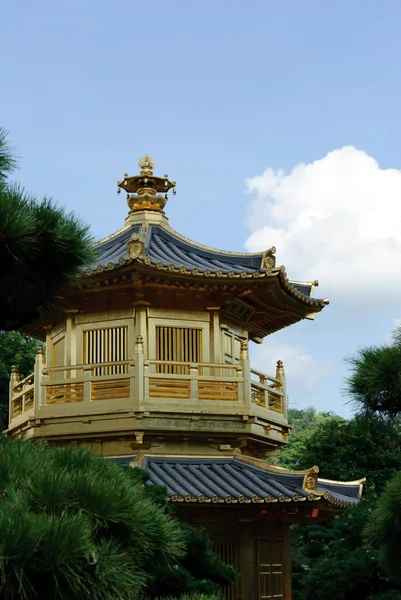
(160, 247)
(241, 479)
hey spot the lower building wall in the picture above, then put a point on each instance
(257, 547)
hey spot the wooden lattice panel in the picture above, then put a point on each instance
(68, 392)
(169, 388)
(178, 344)
(110, 389)
(106, 345)
(217, 390)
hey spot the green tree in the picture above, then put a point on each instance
(338, 563)
(66, 533)
(303, 424)
(383, 529)
(74, 525)
(7, 161)
(198, 571)
(347, 450)
(15, 349)
(42, 248)
(375, 381)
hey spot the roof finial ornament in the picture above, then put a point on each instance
(145, 190)
(146, 165)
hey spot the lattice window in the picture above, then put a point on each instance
(106, 345)
(178, 344)
(228, 552)
(270, 569)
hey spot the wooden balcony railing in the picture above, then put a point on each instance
(193, 381)
(141, 383)
(269, 391)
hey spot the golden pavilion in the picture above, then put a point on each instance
(148, 365)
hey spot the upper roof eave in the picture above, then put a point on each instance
(169, 269)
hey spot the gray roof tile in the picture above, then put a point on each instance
(222, 477)
(163, 245)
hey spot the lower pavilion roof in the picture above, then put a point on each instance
(241, 480)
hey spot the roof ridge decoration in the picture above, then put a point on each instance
(146, 191)
(112, 235)
(261, 464)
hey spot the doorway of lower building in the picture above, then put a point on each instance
(269, 562)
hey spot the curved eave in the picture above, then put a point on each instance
(219, 276)
(322, 499)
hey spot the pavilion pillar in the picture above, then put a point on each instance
(287, 569)
(247, 563)
(14, 379)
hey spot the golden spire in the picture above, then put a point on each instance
(146, 164)
(142, 190)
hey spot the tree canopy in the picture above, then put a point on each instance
(19, 350)
(303, 424)
(375, 381)
(74, 525)
(333, 560)
(42, 248)
(383, 529)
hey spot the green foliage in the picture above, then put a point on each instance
(74, 525)
(198, 597)
(15, 349)
(7, 160)
(348, 450)
(375, 381)
(42, 247)
(383, 529)
(389, 595)
(339, 565)
(303, 424)
(199, 571)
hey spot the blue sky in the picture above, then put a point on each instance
(219, 93)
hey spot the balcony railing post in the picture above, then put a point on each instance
(87, 384)
(246, 372)
(38, 390)
(14, 379)
(139, 374)
(280, 375)
(194, 381)
(146, 391)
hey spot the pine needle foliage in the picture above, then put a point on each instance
(383, 529)
(76, 526)
(42, 248)
(198, 571)
(7, 160)
(375, 382)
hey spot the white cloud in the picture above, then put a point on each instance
(337, 219)
(302, 371)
